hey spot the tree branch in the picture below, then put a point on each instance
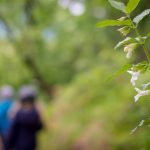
(27, 60)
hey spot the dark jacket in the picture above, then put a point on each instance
(24, 129)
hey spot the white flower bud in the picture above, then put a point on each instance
(124, 30)
(122, 18)
(135, 75)
(140, 93)
(144, 86)
(129, 49)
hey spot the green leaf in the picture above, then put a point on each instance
(125, 41)
(119, 72)
(138, 18)
(142, 66)
(107, 23)
(118, 5)
(148, 34)
(132, 4)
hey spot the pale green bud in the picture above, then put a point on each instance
(122, 18)
(129, 49)
(124, 30)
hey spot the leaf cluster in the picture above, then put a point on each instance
(127, 24)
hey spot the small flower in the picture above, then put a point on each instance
(124, 30)
(140, 93)
(135, 75)
(129, 49)
(141, 123)
(129, 54)
(144, 86)
(133, 130)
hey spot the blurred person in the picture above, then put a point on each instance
(25, 90)
(26, 123)
(1, 143)
(6, 94)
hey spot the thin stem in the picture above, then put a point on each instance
(139, 36)
(146, 52)
(143, 45)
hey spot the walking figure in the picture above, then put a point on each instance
(26, 122)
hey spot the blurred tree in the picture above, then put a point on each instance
(53, 44)
(54, 40)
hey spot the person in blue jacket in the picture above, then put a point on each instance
(6, 101)
(26, 123)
